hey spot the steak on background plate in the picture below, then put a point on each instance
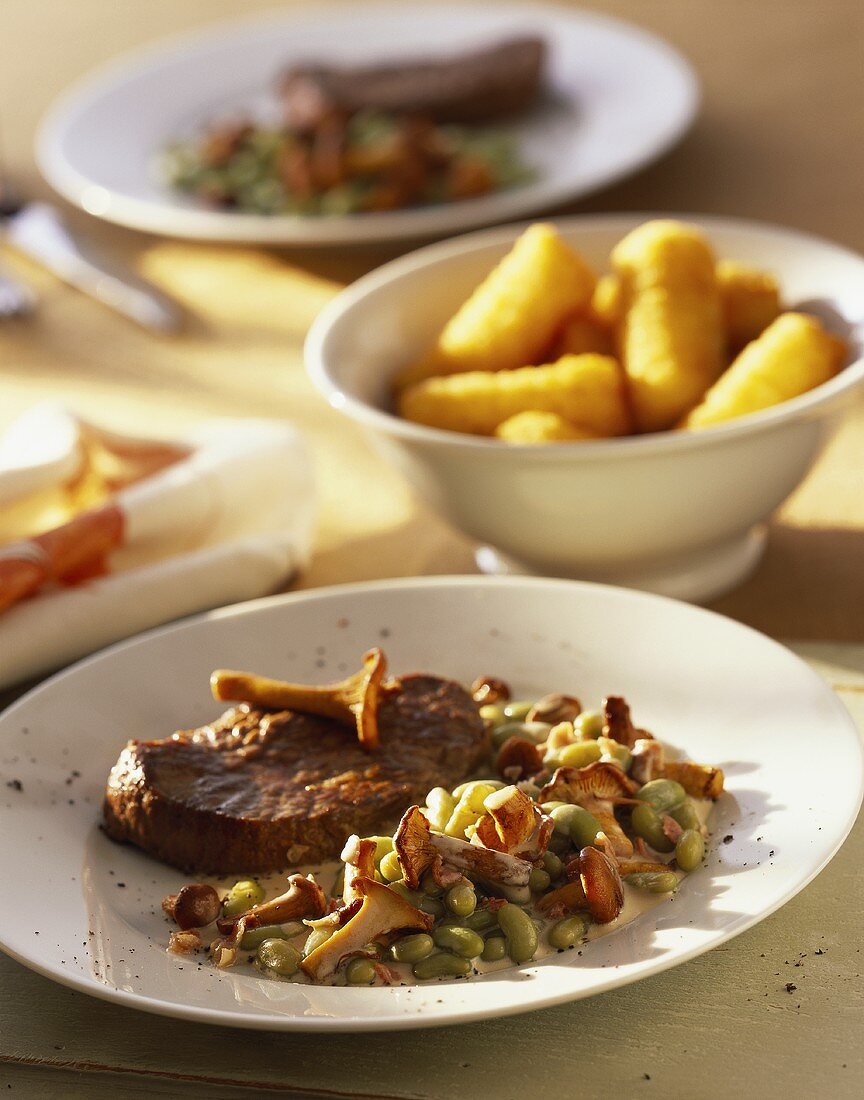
(258, 791)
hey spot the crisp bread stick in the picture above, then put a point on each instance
(671, 337)
(751, 301)
(792, 355)
(586, 390)
(533, 426)
(511, 318)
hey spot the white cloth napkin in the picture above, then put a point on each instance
(231, 520)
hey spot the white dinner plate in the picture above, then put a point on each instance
(721, 692)
(618, 98)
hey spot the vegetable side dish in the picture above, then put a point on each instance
(543, 351)
(373, 138)
(575, 816)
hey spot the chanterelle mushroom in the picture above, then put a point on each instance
(598, 788)
(413, 845)
(359, 859)
(514, 823)
(601, 881)
(618, 724)
(647, 759)
(303, 898)
(698, 780)
(353, 701)
(382, 911)
(417, 847)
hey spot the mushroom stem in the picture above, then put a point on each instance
(418, 848)
(358, 857)
(382, 911)
(303, 898)
(353, 701)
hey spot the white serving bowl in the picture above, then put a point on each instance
(676, 512)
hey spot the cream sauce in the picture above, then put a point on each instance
(636, 902)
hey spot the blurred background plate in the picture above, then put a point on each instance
(619, 97)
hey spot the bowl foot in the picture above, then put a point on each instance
(698, 576)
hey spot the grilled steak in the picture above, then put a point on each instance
(258, 791)
(476, 87)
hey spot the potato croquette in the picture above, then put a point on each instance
(751, 301)
(536, 427)
(792, 355)
(582, 335)
(512, 317)
(671, 339)
(585, 390)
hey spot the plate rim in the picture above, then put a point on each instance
(146, 215)
(614, 979)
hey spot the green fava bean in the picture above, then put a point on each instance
(461, 941)
(411, 949)
(461, 900)
(517, 709)
(579, 754)
(584, 828)
(535, 732)
(686, 815)
(567, 932)
(430, 887)
(390, 867)
(402, 890)
(589, 723)
(442, 965)
(647, 824)
(383, 845)
(241, 897)
(657, 882)
(280, 956)
(562, 815)
(539, 880)
(360, 971)
(553, 865)
(519, 931)
(662, 794)
(690, 850)
(433, 906)
(481, 920)
(256, 936)
(493, 713)
(472, 793)
(494, 949)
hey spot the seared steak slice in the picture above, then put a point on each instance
(486, 84)
(258, 791)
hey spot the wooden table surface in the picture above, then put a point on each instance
(779, 138)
